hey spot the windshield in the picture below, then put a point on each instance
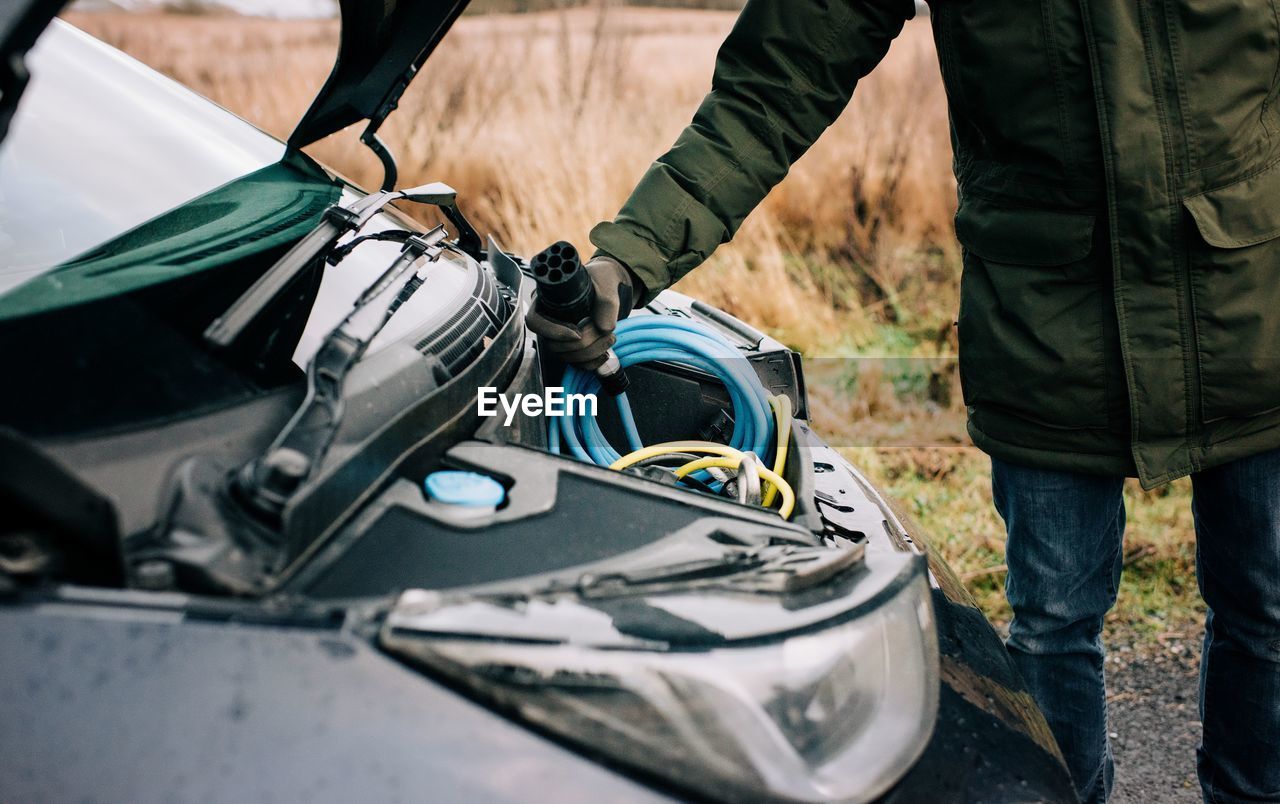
(101, 144)
(132, 212)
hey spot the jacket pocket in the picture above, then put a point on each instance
(1235, 283)
(1032, 298)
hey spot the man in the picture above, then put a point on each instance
(1119, 173)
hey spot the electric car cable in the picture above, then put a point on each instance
(651, 338)
(759, 419)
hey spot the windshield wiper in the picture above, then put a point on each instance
(336, 222)
(269, 481)
(777, 569)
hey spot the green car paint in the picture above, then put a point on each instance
(264, 211)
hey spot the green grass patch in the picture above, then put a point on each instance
(949, 493)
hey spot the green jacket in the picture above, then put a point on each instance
(1119, 173)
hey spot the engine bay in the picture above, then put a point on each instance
(319, 489)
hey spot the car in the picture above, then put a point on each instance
(258, 543)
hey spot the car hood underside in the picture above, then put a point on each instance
(382, 46)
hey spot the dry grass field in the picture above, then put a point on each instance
(544, 121)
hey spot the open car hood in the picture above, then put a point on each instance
(384, 42)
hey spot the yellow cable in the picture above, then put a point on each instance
(781, 405)
(672, 447)
(788, 496)
(730, 458)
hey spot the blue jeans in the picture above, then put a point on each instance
(1064, 557)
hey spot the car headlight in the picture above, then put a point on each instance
(834, 709)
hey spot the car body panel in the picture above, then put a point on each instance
(99, 707)
(991, 741)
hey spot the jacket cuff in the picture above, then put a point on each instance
(642, 258)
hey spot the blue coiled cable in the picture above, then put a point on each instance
(647, 338)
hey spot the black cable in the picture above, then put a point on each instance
(340, 253)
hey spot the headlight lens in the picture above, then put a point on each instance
(837, 712)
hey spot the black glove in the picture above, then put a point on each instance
(587, 345)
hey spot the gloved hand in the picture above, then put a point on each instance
(587, 345)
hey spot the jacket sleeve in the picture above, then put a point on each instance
(784, 74)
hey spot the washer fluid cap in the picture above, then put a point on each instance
(467, 489)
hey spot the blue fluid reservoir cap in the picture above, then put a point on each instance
(465, 488)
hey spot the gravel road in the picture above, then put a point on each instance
(1155, 725)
